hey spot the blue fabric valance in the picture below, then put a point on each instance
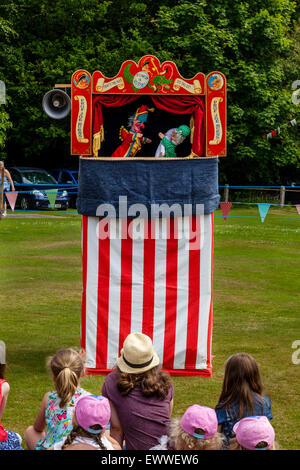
(182, 184)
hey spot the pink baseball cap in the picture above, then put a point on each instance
(200, 417)
(252, 430)
(91, 410)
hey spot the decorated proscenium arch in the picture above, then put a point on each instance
(203, 98)
(147, 222)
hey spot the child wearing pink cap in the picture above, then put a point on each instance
(253, 433)
(196, 430)
(90, 418)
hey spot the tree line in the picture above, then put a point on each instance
(255, 43)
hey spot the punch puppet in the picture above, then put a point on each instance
(133, 138)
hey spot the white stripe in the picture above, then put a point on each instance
(205, 292)
(137, 292)
(137, 274)
(182, 293)
(114, 294)
(160, 287)
(91, 291)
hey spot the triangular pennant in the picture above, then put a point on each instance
(298, 209)
(51, 195)
(225, 208)
(11, 196)
(263, 210)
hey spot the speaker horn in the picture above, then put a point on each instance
(56, 104)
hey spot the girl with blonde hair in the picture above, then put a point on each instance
(196, 430)
(54, 419)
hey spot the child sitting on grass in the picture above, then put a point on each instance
(54, 420)
(196, 430)
(90, 418)
(253, 433)
(9, 440)
(242, 393)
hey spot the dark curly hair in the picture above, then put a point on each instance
(154, 382)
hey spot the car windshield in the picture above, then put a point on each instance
(75, 175)
(38, 177)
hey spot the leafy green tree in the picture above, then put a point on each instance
(7, 33)
(252, 43)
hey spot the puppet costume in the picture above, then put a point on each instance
(132, 143)
(133, 139)
(171, 140)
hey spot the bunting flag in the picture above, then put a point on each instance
(273, 134)
(159, 285)
(11, 196)
(263, 210)
(51, 195)
(225, 208)
(276, 132)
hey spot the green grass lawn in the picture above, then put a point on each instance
(256, 309)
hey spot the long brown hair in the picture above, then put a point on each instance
(241, 381)
(153, 382)
(67, 366)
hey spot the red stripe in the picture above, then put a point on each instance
(171, 296)
(149, 278)
(84, 231)
(103, 301)
(126, 283)
(210, 320)
(194, 297)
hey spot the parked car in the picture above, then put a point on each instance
(32, 183)
(68, 178)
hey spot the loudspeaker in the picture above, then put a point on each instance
(56, 104)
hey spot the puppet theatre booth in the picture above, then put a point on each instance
(148, 142)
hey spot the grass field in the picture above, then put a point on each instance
(256, 309)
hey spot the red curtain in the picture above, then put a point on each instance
(193, 105)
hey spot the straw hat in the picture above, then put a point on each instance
(137, 355)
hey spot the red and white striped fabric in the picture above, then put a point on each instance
(160, 284)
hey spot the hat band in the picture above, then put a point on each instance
(137, 366)
(198, 436)
(94, 431)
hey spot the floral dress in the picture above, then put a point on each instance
(59, 420)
